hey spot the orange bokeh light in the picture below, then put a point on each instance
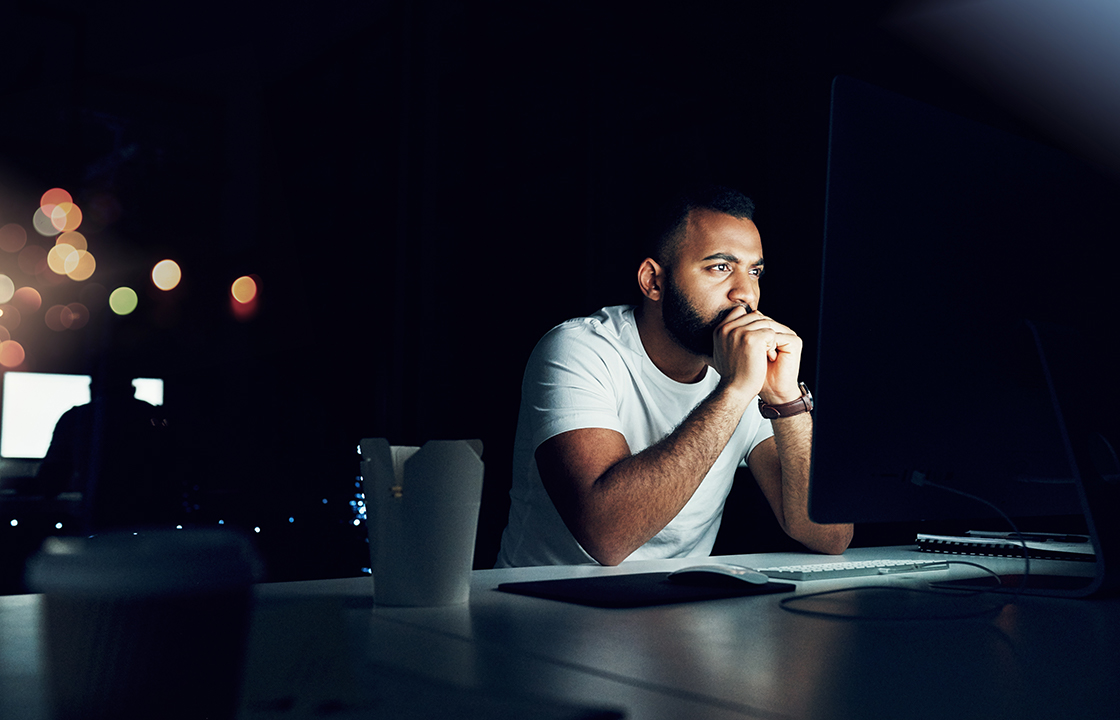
(55, 196)
(244, 289)
(66, 217)
(10, 316)
(84, 268)
(12, 354)
(74, 239)
(28, 299)
(166, 274)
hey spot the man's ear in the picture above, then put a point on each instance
(651, 279)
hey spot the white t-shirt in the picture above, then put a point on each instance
(593, 372)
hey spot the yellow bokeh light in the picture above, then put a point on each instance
(123, 300)
(84, 268)
(166, 274)
(74, 239)
(12, 354)
(12, 238)
(62, 258)
(244, 289)
(66, 217)
(7, 289)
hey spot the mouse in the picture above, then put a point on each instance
(717, 574)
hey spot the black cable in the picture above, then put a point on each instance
(920, 480)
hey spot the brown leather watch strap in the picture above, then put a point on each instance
(789, 409)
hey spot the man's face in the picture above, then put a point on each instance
(717, 268)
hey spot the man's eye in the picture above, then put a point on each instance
(758, 272)
(722, 267)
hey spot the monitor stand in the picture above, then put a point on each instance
(1082, 408)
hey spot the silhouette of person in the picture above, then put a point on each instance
(115, 450)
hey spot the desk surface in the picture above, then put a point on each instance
(324, 644)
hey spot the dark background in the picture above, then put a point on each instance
(423, 189)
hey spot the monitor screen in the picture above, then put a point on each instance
(33, 403)
(946, 242)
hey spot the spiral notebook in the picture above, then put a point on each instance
(1041, 546)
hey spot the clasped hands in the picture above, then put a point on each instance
(757, 355)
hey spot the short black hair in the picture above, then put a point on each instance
(669, 227)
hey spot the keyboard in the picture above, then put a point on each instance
(862, 568)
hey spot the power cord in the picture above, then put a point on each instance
(790, 603)
(920, 480)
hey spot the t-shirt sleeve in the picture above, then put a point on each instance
(765, 430)
(569, 384)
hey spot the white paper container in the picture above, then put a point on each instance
(422, 514)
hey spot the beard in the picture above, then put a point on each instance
(686, 326)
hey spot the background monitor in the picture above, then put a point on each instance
(945, 241)
(33, 403)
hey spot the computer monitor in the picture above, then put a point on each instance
(33, 402)
(946, 244)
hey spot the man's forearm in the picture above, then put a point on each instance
(794, 439)
(639, 495)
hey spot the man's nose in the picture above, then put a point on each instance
(744, 292)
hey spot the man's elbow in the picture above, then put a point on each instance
(604, 553)
(824, 539)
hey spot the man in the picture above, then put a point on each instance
(634, 420)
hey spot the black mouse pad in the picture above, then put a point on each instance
(639, 590)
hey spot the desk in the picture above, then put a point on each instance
(735, 658)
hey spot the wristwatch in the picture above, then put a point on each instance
(789, 409)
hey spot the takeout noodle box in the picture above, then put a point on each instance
(422, 508)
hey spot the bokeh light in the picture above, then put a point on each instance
(4, 334)
(62, 258)
(166, 274)
(55, 196)
(75, 316)
(74, 239)
(7, 289)
(12, 238)
(244, 289)
(27, 299)
(41, 221)
(66, 217)
(123, 300)
(53, 318)
(66, 317)
(10, 316)
(85, 267)
(12, 354)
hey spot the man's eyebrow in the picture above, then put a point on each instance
(728, 257)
